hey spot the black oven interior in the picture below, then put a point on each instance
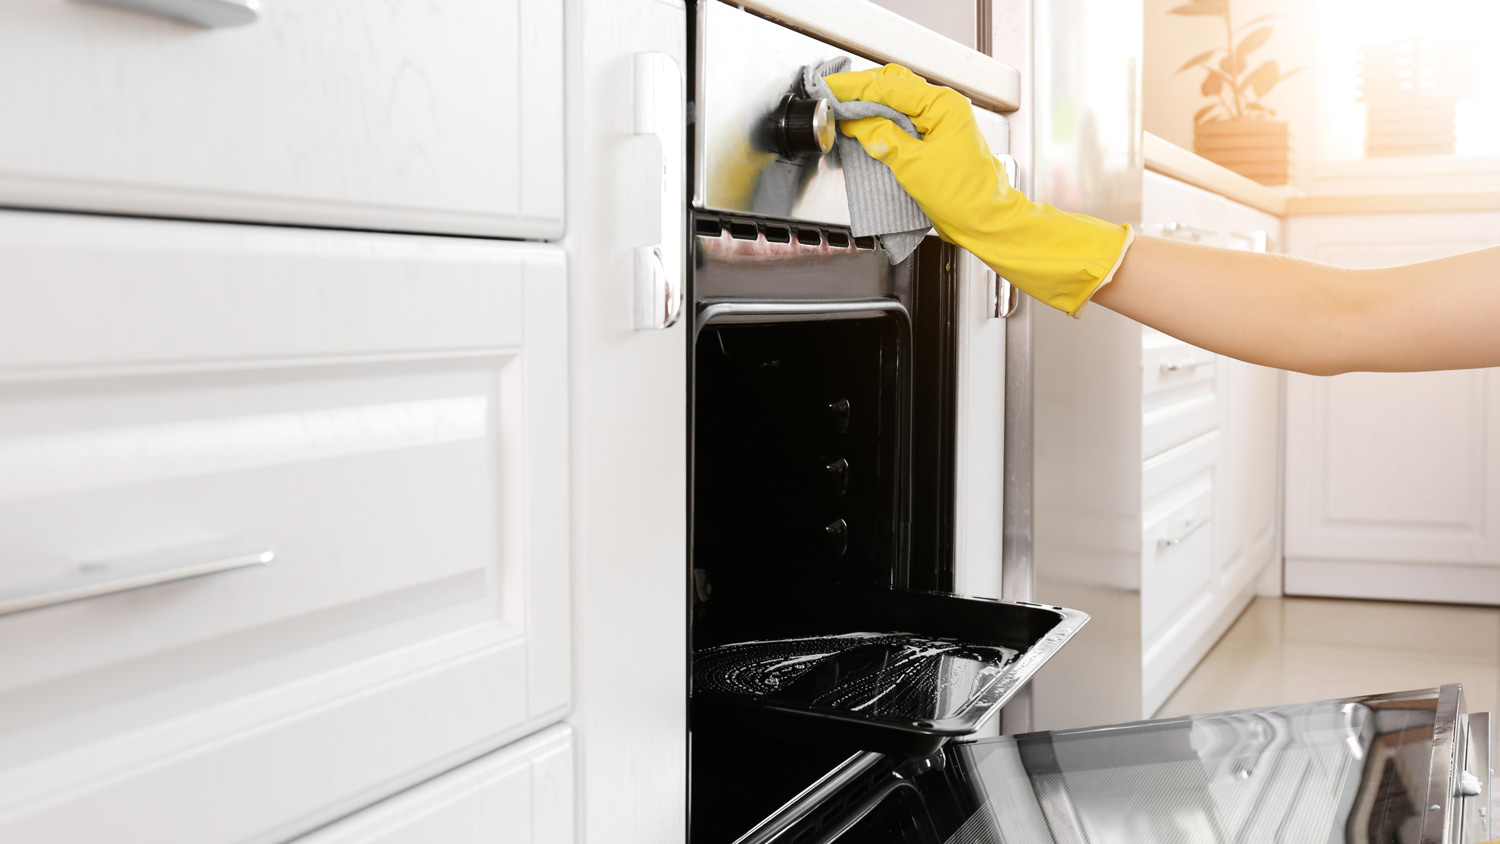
(814, 363)
(798, 468)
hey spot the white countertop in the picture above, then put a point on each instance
(1169, 159)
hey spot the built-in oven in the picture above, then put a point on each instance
(840, 690)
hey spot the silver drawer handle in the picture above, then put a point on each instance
(1193, 233)
(213, 14)
(1180, 538)
(1185, 365)
(91, 580)
(1259, 240)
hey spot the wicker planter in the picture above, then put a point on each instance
(1254, 147)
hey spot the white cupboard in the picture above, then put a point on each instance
(1393, 479)
(1157, 484)
(629, 432)
(427, 117)
(520, 795)
(377, 422)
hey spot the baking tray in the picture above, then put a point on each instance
(888, 670)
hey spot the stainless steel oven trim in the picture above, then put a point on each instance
(1438, 816)
(739, 79)
(1472, 807)
(811, 798)
(762, 311)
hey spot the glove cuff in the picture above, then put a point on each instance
(1077, 312)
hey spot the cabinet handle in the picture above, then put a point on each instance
(1193, 233)
(1180, 538)
(1005, 297)
(92, 580)
(1181, 366)
(660, 113)
(213, 14)
(1259, 240)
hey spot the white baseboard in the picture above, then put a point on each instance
(1428, 582)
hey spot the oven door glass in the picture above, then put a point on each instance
(1373, 769)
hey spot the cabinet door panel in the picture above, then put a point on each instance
(522, 794)
(406, 116)
(1393, 479)
(387, 413)
(629, 429)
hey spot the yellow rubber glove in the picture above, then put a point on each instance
(1056, 257)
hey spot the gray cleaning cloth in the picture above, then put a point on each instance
(878, 204)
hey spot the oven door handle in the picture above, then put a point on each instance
(661, 120)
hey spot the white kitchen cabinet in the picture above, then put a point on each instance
(1393, 479)
(387, 414)
(1157, 484)
(520, 795)
(629, 435)
(424, 117)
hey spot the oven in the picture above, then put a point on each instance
(824, 426)
(840, 690)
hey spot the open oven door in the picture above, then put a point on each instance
(1403, 767)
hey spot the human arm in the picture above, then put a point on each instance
(1266, 309)
(1309, 317)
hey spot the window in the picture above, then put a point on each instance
(1428, 78)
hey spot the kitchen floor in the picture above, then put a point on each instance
(1288, 650)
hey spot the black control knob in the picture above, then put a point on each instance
(836, 535)
(802, 127)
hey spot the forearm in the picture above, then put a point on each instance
(1308, 317)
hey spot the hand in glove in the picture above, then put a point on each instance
(1056, 257)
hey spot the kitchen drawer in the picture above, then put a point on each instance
(1170, 208)
(385, 413)
(1180, 389)
(1170, 365)
(402, 116)
(1163, 474)
(1176, 553)
(522, 794)
(1251, 229)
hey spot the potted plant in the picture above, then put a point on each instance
(1237, 129)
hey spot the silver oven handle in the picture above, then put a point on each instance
(213, 14)
(660, 114)
(93, 580)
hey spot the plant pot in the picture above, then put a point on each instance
(1258, 148)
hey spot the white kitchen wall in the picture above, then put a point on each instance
(1171, 99)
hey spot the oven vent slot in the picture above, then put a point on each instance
(771, 231)
(742, 230)
(777, 234)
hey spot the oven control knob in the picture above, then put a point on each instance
(838, 475)
(802, 127)
(837, 532)
(839, 410)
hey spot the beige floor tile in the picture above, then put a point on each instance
(1288, 650)
(1291, 650)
